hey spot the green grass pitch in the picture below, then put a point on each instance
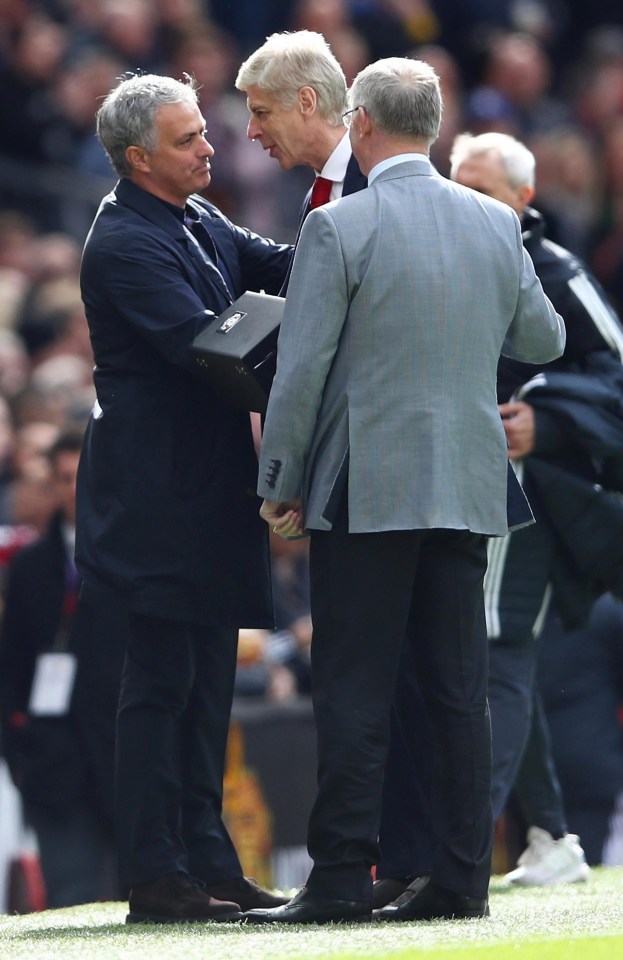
(581, 921)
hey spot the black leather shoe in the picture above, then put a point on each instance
(387, 890)
(424, 900)
(247, 892)
(177, 898)
(308, 907)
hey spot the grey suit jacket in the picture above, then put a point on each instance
(401, 299)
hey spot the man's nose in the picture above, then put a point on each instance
(207, 150)
(253, 129)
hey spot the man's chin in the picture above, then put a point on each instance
(202, 182)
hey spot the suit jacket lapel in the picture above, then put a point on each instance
(354, 180)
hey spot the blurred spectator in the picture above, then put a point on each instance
(53, 321)
(447, 69)
(14, 364)
(292, 642)
(332, 19)
(556, 418)
(251, 22)
(32, 62)
(43, 731)
(393, 27)
(28, 497)
(519, 72)
(276, 665)
(77, 92)
(569, 187)
(128, 29)
(580, 680)
(258, 672)
(18, 236)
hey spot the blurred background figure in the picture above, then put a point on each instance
(64, 779)
(564, 427)
(580, 690)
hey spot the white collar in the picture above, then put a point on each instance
(335, 167)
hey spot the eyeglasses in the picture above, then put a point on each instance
(348, 116)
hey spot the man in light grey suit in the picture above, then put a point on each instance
(383, 440)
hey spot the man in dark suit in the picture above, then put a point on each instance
(167, 513)
(59, 743)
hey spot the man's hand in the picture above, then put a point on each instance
(285, 518)
(518, 420)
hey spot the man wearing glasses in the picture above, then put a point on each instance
(383, 441)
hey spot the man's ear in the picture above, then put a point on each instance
(138, 159)
(308, 100)
(525, 194)
(364, 123)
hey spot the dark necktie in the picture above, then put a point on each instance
(199, 232)
(321, 192)
(202, 237)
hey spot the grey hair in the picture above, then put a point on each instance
(127, 115)
(288, 61)
(402, 97)
(518, 162)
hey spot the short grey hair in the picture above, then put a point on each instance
(402, 97)
(518, 162)
(127, 116)
(288, 61)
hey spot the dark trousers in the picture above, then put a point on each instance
(405, 835)
(76, 853)
(172, 726)
(364, 590)
(522, 757)
(537, 787)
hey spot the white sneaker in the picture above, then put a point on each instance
(547, 861)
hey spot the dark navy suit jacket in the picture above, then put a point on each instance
(167, 511)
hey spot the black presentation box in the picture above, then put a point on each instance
(238, 350)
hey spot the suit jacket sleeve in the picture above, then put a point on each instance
(263, 263)
(145, 285)
(314, 315)
(537, 333)
(153, 285)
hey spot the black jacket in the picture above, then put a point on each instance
(58, 762)
(578, 405)
(591, 323)
(167, 510)
(576, 494)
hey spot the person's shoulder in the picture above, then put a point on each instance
(121, 226)
(113, 217)
(566, 260)
(206, 206)
(477, 200)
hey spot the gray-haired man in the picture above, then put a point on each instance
(165, 516)
(384, 441)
